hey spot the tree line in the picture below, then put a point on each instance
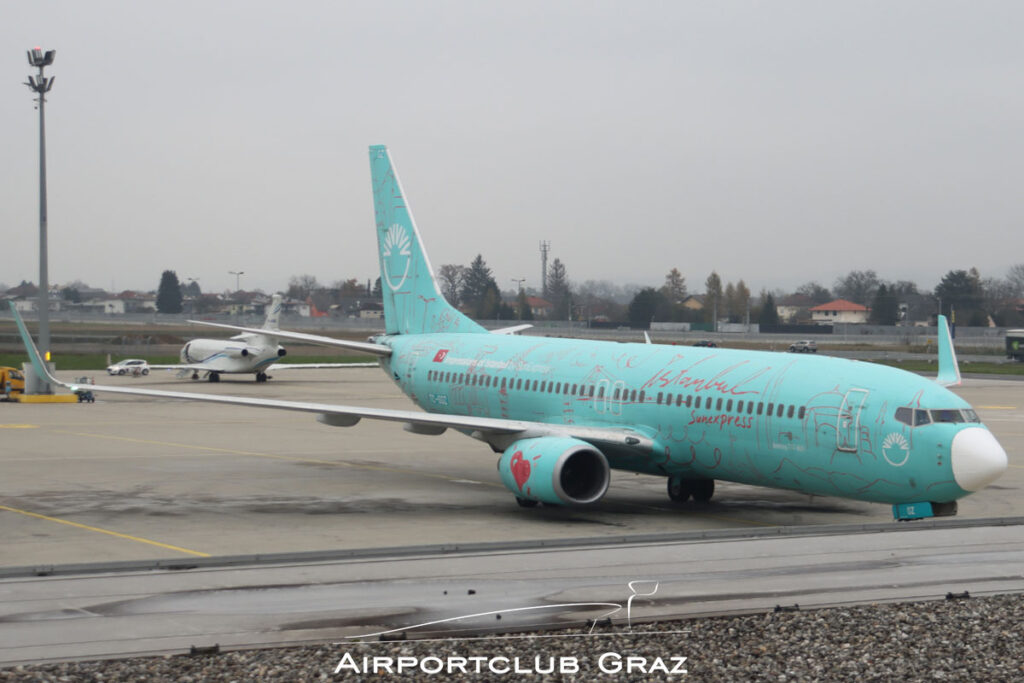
(963, 294)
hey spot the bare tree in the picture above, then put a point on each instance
(452, 278)
(301, 286)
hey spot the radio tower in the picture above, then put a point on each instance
(545, 247)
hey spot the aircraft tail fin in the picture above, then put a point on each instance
(41, 368)
(413, 303)
(949, 370)
(273, 321)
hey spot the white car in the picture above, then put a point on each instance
(130, 366)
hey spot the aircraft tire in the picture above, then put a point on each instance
(214, 376)
(703, 489)
(526, 502)
(678, 489)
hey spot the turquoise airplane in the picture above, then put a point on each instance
(563, 413)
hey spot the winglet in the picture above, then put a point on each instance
(949, 370)
(33, 353)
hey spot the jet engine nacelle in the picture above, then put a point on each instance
(281, 352)
(559, 470)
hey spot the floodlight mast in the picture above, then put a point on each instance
(41, 85)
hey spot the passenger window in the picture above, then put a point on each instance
(905, 415)
(760, 408)
(535, 382)
(800, 416)
(642, 396)
(689, 400)
(771, 409)
(728, 406)
(658, 400)
(789, 413)
(615, 396)
(592, 391)
(779, 409)
(697, 403)
(750, 407)
(739, 406)
(600, 392)
(718, 405)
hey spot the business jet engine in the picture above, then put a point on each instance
(558, 470)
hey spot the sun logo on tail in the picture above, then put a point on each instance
(395, 255)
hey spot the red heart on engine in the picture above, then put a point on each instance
(520, 469)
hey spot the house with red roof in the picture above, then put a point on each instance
(839, 311)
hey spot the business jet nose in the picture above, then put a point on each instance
(977, 458)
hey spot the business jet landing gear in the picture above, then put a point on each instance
(262, 377)
(681, 488)
(526, 502)
(195, 375)
(214, 377)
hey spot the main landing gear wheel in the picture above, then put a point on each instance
(677, 490)
(702, 489)
(261, 377)
(680, 489)
(214, 377)
(526, 502)
(195, 375)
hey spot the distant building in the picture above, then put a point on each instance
(694, 302)
(839, 311)
(794, 308)
(541, 308)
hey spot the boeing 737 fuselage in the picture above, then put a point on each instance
(563, 413)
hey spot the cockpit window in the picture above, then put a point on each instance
(947, 416)
(971, 416)
(921, 418)
(905, 415)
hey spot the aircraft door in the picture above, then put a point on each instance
(602, 394)
(848, 420)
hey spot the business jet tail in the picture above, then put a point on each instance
(413, 303)
(273, 321)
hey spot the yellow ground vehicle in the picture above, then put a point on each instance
(12, 383)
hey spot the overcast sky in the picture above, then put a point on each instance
(778, 142)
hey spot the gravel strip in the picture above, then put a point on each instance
(977, 639)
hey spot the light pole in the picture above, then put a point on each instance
(238, 277)
(41, 85)
(519, 295)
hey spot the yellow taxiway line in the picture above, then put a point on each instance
(98, 530)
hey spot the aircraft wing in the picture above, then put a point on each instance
(198, 367)
(515, 329)
(319, 366)
(366, 347)
(484, 428)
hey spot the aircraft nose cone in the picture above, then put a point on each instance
(977, 458)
